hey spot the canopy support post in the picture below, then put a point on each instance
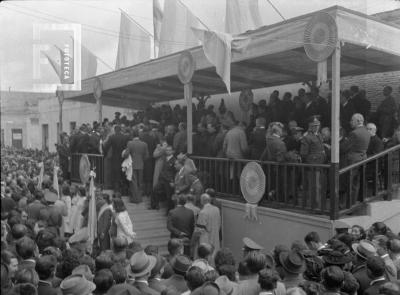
(60, 96)
(188, 91)
(97, 92)
(335, 108)
(99, 107)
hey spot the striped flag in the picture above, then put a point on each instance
(92, 215)
(134, 43)
(241, 16)
(157, 21)
(176, 34)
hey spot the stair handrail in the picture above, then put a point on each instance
(369, 159)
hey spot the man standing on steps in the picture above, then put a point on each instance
(181, 223)
(139, 153)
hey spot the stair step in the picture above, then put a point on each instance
(152, 233)
(149, 225)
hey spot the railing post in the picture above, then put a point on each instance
(389, 176)
(334, 190)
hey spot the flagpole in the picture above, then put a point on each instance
(208, 29)
(139, 25)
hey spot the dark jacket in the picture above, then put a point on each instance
(178, 282)
(34, 208)
(139, 153)
(375, 146)
(312, 148)
(257, 143)
(275, 149)
(180, 220)
(374, 288)
(46, 288)
(145, 289)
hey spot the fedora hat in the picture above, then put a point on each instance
(181, 264)
(225, 285)
(335, 257)
(364, 249)
(77, 285)
(140, 264)
(84, 271)
(293, 262)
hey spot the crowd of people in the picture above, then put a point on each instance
(45, 249)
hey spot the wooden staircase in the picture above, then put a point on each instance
(150, 225)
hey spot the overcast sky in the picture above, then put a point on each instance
(101, 19)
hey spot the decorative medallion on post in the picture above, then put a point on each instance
(186, 68)
(320, 37)
(84, 168)
(252, 185)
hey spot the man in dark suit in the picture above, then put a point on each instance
(375, 145)
(361, 104)
(387, 113)
(180, 223)
(356, 149)
(165, 180)
(322, 106)
(117, 142)
(257, 139)
(139, 153)
(346, 110)
(82, 140)
(26, 248)
(148, 169)
(310, 109)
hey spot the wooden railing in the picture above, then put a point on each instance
(288, 185)
(295, 186)
(376, 176)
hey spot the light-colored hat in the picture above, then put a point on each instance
(140, 264)
(77, 285)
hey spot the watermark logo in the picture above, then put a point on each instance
(56, 57)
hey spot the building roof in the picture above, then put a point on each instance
(275, 56)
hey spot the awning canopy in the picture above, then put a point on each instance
(275, 56)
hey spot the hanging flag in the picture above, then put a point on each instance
(56, 66)
(157, 21)
(218, 48)
(92, 215)
(55, 181)
(241, 16)
(176, 34)
(88, 62)
(41, 174)
(134, 43)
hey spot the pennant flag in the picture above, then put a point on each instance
(41, 174)
(55, 181)
(92, 215)
(218, 48)
(134, 43)
(176, 34)
(242, 16)
(89, 63)
(157, 21)
(55, 65)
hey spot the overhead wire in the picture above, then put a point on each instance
(276, 9)
(95, 29)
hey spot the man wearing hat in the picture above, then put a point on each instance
(293, 265)
(77, 285)
(312, 151)
(364, 249)
(50, 213)
(249, 245)
(117, 119)
(139, 268)
(180, 266)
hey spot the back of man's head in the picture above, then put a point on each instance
(119, 273)
(45, 266)
(255, 261)
(175, 247)
(332, 278)
(205, 199)
(181, 200)
(312, 237)
(25, 248)
(375, 267)
(194, 277)
(204, 250)
(18, 231)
